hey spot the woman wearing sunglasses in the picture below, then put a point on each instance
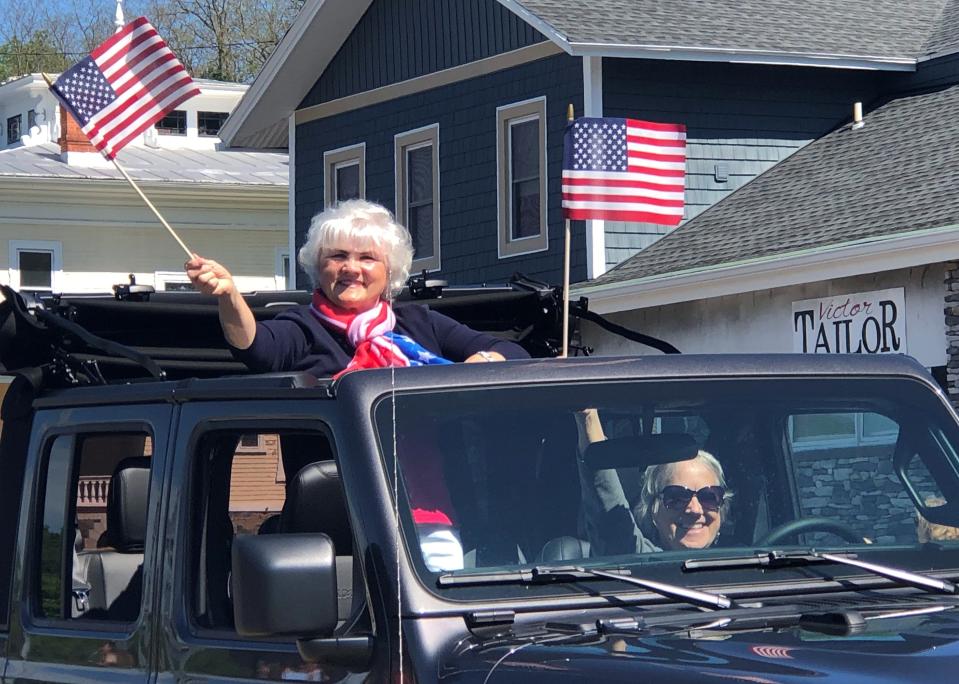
(682, 504)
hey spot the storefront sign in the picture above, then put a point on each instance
(862, 323)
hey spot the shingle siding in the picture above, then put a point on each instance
(466, 114)
(401, 39)
(744, 117)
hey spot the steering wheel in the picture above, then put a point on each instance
(800, 525)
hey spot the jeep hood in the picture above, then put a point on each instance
(919, 649)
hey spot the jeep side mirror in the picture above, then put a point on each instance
(284, 585)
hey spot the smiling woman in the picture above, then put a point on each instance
(358, 258)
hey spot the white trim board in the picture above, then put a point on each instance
(593, 106)
(870, 255)
(420, 84)
(742, 56)
(291, 205)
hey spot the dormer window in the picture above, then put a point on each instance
(173, 123)
(209, 123)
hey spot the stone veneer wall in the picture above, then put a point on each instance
(951, 311)
(857, 486)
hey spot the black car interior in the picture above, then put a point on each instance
(314, 503)
(114, 570)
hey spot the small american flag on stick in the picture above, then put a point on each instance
(624, 170)
(127, 84)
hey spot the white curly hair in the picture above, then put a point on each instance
(361, 225)
(657, 476)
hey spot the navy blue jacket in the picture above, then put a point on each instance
(296, 341)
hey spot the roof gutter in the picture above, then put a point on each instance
(857, 257)
(741, 56)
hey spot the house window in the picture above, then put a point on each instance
(417, 193)
(172, 281)
(344, 174)
(521, 177)
(210, 123)
(13, 128)
(31, 119)
(816, 431)
(251, 439)
(282, 272)
(173, 123)
(34, 264)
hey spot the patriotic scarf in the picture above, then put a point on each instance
(371, 334)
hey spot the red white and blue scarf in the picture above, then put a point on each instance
(371, 334)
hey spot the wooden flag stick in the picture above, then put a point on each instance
(567, 239)
(136, 187)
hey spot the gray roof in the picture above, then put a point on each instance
(885, 29)
(898, 173)
(217, 167)
(945, 35)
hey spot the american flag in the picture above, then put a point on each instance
(624, 170)
(127, 84)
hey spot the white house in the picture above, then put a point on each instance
(72, 224)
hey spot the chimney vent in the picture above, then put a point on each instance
(857, 121)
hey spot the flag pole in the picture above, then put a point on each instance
(136, 187)
(567, 239)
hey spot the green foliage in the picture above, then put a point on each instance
(51, 574)
(36, 54)
(227, 40)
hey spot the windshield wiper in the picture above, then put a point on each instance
(774, 559)
(548, 573)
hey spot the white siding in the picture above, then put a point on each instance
(761, 322)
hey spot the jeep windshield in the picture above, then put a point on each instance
(500, 485)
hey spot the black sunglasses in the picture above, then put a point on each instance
(677, 497)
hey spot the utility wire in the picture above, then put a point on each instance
(250, 43)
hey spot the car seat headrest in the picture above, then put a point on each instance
(315, 503)
(127, 504)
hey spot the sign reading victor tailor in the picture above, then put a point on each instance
(862, 323)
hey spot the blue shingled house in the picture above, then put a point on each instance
(452, 112)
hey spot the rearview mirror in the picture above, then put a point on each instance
(284, 585)
(640, 452)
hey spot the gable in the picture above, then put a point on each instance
(397, 40)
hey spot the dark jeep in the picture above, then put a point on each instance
(440, 523)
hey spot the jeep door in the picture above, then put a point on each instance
(233, 466)
(86, 557)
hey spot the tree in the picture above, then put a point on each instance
(220, 39)
(227, 40)
(36, 54)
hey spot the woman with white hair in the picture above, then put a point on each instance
(682, 503)
(357, 257)
(681, 506)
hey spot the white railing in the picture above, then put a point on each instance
(92, 490)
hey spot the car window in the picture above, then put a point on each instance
(496, 478)
(92, 522)
(240, 486)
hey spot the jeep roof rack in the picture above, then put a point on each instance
(137, 334)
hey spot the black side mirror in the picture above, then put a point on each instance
(284, 585)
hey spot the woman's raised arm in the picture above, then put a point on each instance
(236, 318)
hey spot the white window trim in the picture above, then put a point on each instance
(281, 281)
(338, 158)
(56, 266)
(505, 119)
(403, 143)
(842, 441)
(161, 277)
